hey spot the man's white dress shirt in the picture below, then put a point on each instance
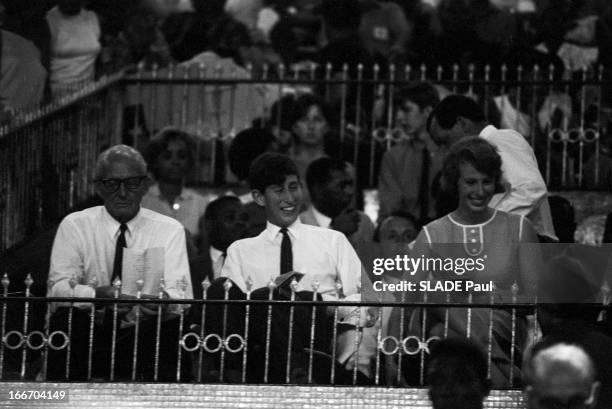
(527, 194)
(320, 254)
(84, 247)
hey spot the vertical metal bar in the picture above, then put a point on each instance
(515, 290)
(160, 296)
(47, 325)
(227, 285)
(247, 315)
(154, 117)
(358, 126)
(271, 287)
(423, 72)
(599, 124)
(471, 79)
(519, 78)
(139, 286)
(439, 72)
(5, 285)
(423, 338)
(390, 104)
(182, 285)
(582, 132)
(372, 139)
(490, 334)
(344, 90)
(378, 339)
(170, 113)
(72, 282)
(469, 316)
(549, 130)
(401, 338)
(205, 286)
(328, 70)
(313, 317)
(293, 286)
(332, 375)
(534, 99)
(185, 98)
(446, 316)
(455, 77)
(92, 318)
(232, 102)
(117, 293)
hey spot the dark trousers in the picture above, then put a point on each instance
(148, 339)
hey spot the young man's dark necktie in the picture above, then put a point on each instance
(286, 259)
(121, 244)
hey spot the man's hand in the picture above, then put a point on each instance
(109, 292)
(346, 222)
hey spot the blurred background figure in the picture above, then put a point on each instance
(398, 227)
(457, 375)
(332, 190)
(560, 375)
(170, 156)
(74, 46)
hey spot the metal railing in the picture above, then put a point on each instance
(48, 154)
(257, 353)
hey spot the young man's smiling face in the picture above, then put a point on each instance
(281, 202)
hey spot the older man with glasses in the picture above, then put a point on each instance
(98, 246)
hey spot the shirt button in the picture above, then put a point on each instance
(473, 240)
(473, 231)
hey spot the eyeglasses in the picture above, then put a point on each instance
(131, 184)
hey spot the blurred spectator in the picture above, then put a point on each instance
(224, 221)
(139, 41)
(280, 123)
(74, 46)
(560, 375)
(170, 156)
(457, 375)
(311, 126)
(407, 170)
(22, 76)
(384, 29)
(398, 227)
(331, 186)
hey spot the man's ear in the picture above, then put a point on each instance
(258, 197)
(594, 398)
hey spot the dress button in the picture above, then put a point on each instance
(473, 231)
(473, 240)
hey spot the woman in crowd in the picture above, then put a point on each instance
(488, 237)
(170, 156)
(74, 46)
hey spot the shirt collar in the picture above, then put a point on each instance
(215, 254)
(321, 219)
(487, 131)
(112, 226)
(272, 230)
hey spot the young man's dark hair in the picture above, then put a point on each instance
(270, 169)
(451, 108)
(245, 147)
(457, 375)
(424, 94)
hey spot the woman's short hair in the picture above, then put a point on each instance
(303, 103)
(477, 152)
(159, 143)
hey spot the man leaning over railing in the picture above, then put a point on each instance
(93, 251)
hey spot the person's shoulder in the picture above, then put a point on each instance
(85, 214)
(322, 233)
(157, 218)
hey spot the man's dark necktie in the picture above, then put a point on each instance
(121, 244)
(286, 259)
(424, 186)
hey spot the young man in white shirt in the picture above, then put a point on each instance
(92, 249)
(323, 256)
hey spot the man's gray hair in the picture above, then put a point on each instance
(559, 357)
(118, 152)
